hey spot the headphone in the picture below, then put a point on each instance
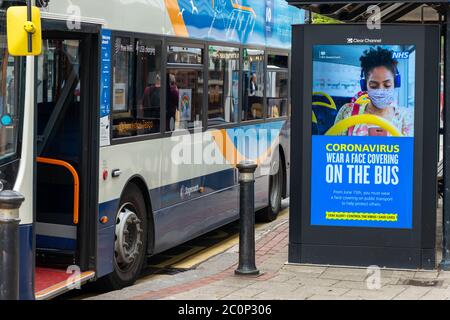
(397, 80)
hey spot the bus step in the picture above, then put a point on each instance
(51, 282)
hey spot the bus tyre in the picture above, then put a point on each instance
(275, 193)
(130, 240)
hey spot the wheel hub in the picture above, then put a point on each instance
(129, 235)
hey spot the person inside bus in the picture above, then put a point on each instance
(253, 100)
(172, 102)
(253, 87)
(379, 78)
(151, 99)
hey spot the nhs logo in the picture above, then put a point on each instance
(400, 55)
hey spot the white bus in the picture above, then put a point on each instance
(124, 134)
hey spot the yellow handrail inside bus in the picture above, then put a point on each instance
(330, 105)
(360, 119)
(314, 118)
(76, 182)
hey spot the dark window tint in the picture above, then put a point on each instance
(276, 61)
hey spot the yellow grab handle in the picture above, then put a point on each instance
(331, 105)
(360, 119)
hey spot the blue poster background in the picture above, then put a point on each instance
(376, 198)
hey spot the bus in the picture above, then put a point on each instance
(123, 135)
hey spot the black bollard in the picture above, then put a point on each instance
(10, 202)
(247, 264)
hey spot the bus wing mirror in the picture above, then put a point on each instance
(24, 34)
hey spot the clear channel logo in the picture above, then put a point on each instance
(360, 40)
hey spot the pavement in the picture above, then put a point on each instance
(214, 279)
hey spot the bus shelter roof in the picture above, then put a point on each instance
(391, 11)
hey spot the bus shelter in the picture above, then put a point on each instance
(375, 14)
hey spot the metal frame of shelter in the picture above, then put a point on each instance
(420, 12)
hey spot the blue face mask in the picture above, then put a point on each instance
(382, 98)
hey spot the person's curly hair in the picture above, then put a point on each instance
(378, 57)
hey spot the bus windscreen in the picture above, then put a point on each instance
(9, 111)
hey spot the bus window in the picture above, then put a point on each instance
(184, 98)
(277, 61)
(136, 104)
(223, 85)
(148, 85)
(122, 74)
(9, 113)
(277, 93)
(58, 69)
(254, 78)
(184, 55)
(184, 88)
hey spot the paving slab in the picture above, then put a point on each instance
(436, 294)
(385, 293)
(245, 293)
(311, 290)
(412, 293)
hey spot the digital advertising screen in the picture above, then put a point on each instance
(364, 145)
(363, 111)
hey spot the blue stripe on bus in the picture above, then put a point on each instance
(171, 194)
(191, 188)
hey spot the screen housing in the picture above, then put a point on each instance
(406, 248)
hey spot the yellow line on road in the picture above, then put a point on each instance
(220, 247)
(283, 213)
(218, 234)
(170, 262)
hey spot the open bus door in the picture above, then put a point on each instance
(66, 162)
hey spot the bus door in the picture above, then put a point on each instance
(67, 150)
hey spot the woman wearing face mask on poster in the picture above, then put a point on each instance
(379, 78)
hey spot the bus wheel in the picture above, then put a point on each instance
(275, 193)
(130, 240)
